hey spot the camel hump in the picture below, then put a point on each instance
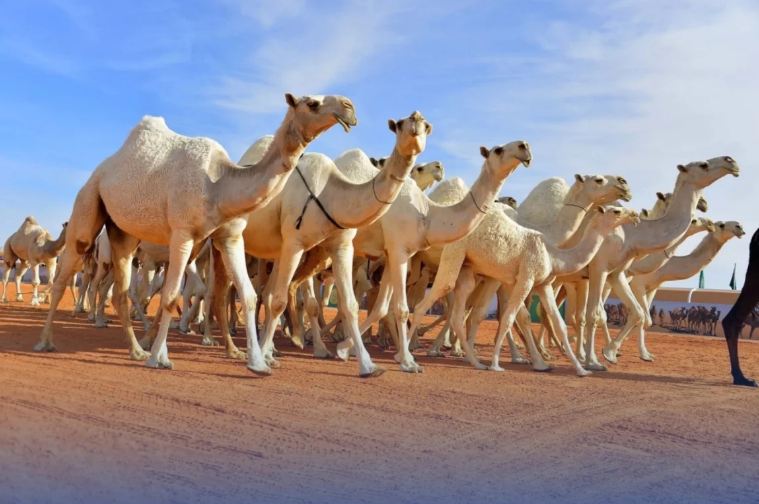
(255, 152)
(30, 220)
(450, 191)
(153, 122)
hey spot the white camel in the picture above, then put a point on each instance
(321, 207)
(414, 222)
(627, 243)
(166, 188)
(32, 246)
(518, 257)
(644, 286)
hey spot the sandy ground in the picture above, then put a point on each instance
(85, 424)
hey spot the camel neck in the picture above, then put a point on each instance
(571, 260)
(682, 267)
(241, 190)
(450, 223)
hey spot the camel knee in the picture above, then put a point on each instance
(278, 303)
(401, 314)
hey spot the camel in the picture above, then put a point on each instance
(747, 301)
(644, 286)
(752, 321)
(425, 175)
(627, 243)
(32, 245)
(166, 188)
(519, 257)
(415, 222)
(558, 209)
(321, 207)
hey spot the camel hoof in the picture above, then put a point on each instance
(480, 366)
(374, 373)
(44, 346)
(447, 346)
(541, 369)
(594, 366)
(343, 351)
(457, 353)
(19, 297)
(138, 355)
(519, 360)
(35, 302)
(323, 354)
(435, 353)
(648, 357)
(273, 363)
(209, 341)
(584, 372)
(237, 354)
(610, 355)
(497, 368)
(298, 341)
(101, 324)
(412, 367)
(260, 369)
(744, 382)
(159, 363)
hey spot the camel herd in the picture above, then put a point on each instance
(282, 227)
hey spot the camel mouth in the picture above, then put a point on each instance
(702, 206)
(438, 176)
(626, 195)
(345, 124)
(526, 162)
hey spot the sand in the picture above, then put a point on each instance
(85, 424)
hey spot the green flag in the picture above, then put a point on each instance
(733, 283)
(701, 281)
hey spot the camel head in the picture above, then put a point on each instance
(312, 115)
(702, 205)
(698, 224)
(724, 231)
(427, 174)
(660, 207)
(601, 189)
(508, 201)
(611, 217)
(410, 133)
(703, 173)
(502, 160)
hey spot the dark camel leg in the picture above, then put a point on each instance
(744, 305)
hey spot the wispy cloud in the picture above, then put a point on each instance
(314, 52)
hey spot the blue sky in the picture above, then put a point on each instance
(618, 87)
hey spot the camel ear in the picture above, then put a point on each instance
(579, 178)
(644, 213)
(392, 125)
(601, 209)
(682, 168)
(484, 152)
(374, 162)
(291, 100)
(661, 195)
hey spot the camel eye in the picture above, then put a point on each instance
(704, 166)
(599, 181)
(313, 105)
(498, 151)
(618, 212)
(729, 159)
(419, 169)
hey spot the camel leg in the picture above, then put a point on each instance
(342, 268)
(465, 285)
(10, 263)
(35, 285)
(102, 290)
(548, 300)
(580, 300)
(733, 322)
(180, 250)
(503, 301)
(635, 319)
(100, 273)
(312, 310)
(379, 311)
(190, 310)
(19, 276)
(595, 291)
(275, 300)
(122, 248)
(523, 324)
(397, 264)
(233, 255)
(316, 261)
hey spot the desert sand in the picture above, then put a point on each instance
(85, 424)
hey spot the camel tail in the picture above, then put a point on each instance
(87, 217)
